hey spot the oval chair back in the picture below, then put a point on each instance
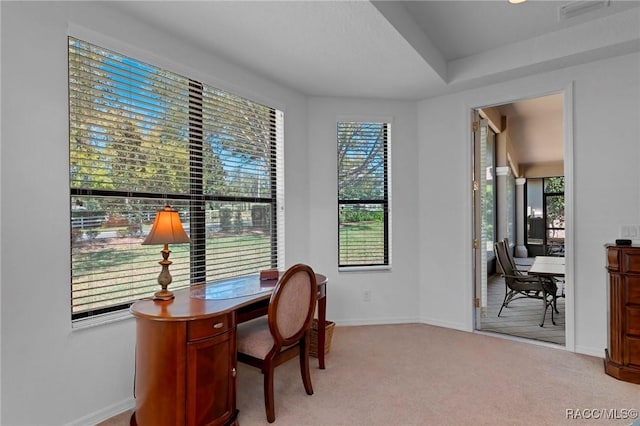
(292, 305)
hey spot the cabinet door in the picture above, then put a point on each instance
(211, 374)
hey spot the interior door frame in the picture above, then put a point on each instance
(567, 118)
(479, 245)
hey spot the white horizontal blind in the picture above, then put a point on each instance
(363, 194)
(142, 137)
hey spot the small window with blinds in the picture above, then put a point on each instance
(142, 137)
(363, 194)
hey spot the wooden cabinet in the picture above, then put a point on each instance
(185, 370)
(622, 357)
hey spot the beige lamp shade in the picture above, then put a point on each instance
(167, 229)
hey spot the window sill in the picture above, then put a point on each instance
(364, 268)
(99, 320)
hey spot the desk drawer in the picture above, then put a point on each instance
(209, 327)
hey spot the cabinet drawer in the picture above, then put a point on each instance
(633, 290)
(631, 261)
(633, 320)
(208, 327)
(632, 352)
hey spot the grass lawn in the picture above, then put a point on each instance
(362, 243)
(112, 271)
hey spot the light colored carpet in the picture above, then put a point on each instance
(415, 374)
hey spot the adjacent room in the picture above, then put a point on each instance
(412, 200)
(521, 203)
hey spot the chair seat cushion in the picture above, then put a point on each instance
(254, 338)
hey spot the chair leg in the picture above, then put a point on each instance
(268, 394)
(508, 295)
(304, 365)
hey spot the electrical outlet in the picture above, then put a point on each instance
(366, 296)
(631, 232)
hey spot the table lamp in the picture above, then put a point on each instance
(167, 229)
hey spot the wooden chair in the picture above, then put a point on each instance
(518, 285)
(268, 342)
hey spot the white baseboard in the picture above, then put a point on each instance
(377, 321)
(589, 350)
(105, 413)
(445, 324)
(401, 320)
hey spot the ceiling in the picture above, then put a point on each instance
(536, 129)
(407, 50)
(393, 49)
(465, 28)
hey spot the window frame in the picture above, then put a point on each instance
(490, 215)
(195, 194)
(385, 202)
(541, 194)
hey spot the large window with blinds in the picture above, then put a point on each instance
(363, 194)
(142, 137)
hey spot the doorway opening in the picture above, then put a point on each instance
(519, 198)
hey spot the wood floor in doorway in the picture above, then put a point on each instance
(522, 317)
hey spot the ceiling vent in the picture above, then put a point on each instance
(575, 8)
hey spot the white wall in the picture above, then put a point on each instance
(51, 374)
(606, 187)
(394, 293)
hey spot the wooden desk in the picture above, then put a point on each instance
(186, 352)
